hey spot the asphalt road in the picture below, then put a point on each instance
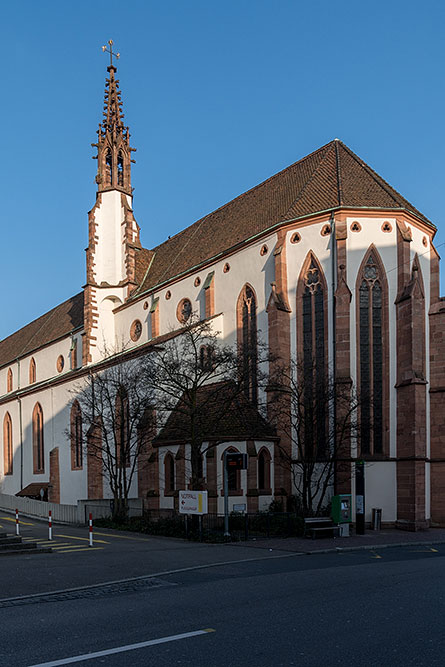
(358, 608)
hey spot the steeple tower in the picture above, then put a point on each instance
(113, 233)
(113, 143)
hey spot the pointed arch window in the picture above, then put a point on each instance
(109, 167)
(122, 417)
(248, 342)
(264, 470)
(373, 351)
(7, 445)
(312, 339)
(32, 371)
(169, 474)
(9, 380)
(76, 437)
(120, 169)
(37, 439)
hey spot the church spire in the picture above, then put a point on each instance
(113, 144)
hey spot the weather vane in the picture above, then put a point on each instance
(110, 51)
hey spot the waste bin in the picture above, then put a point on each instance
(376, 522)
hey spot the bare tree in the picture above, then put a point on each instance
(202, 388)
(116, 407)
(318, 419)
(192, 384)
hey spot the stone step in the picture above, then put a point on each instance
(18, 545)
(8, 539)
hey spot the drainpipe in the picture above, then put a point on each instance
(20, 424)
(334, 349)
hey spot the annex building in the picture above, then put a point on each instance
(325, 259)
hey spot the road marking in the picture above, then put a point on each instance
(84, 539)
(10, 518)
(123, 649)
(51, 543)
(30, 539)
(65, 550)
(124, 537)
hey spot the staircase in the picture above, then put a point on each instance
(11, 545)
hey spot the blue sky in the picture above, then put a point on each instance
(218, 96)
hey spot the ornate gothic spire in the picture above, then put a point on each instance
(113, 144)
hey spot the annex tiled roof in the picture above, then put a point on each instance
(223, 413)
(56, 323)
(330, 178)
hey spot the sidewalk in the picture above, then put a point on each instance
(370, 540)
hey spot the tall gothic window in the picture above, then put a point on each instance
(76, 437)
(37, 439)
(247, 342)
(312, 355)
(122, 417)
(7, 445)
(372, 335)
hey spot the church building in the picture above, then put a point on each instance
(325, 259)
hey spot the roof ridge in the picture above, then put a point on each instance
(311, 178)
(339, 184)
(377, 178)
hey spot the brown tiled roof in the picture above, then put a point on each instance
(223, 413)
(33, 490)
(331, 177)
(143, 259)
(56, 323)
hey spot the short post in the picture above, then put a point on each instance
(17, 525)
(360, 498)
(226, 499)
(90, 529)
(50, 526)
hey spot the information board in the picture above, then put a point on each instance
(193, 502)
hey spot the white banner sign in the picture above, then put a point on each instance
(193, 502)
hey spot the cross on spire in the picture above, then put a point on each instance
(110, 51)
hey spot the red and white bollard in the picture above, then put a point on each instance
(50, 526)
(90, 528)
(17, 525)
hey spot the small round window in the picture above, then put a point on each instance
(60, 363)
(184, 310)
(136, 330)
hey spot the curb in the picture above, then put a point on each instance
(372, 547)
(143, 577)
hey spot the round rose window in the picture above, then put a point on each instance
(136, 330)
(184, 310)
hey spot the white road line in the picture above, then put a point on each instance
(123, 649)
